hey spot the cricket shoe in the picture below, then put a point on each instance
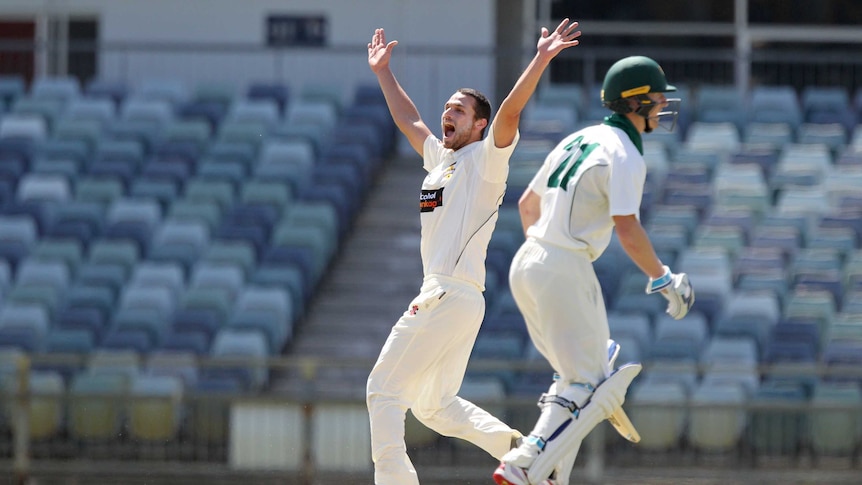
(513, 475)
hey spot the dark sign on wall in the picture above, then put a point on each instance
(296, 30)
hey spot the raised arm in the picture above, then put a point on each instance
(401, 107)
(505, 124)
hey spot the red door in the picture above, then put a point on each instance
(17, 46)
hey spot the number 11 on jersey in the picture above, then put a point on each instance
(558, 179)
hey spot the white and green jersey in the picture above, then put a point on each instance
(590, 176)
(459, 204)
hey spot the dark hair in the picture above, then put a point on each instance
(482, 108)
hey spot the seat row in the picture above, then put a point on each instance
(570, 104)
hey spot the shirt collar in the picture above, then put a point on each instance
(619, 121)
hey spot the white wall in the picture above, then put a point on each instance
(429, 61)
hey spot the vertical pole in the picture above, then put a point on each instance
(309, 370)
(742, 62)
(21, 425)
(510, 26)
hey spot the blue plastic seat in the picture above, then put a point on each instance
(287, 276)
(217, 300)
(136, 340)
(193, 319)
(251, 347)
(28, 321)
(116, 91)
(147, 110)
(266, 309)
(656, 409)
(180, 241)
(275, 91)
(219, 191)
(778, 432)
(195, 342)
(12, 87)
(260, 110)
(286, 161)
(834, 420)
(88, 319)
(64, 88)
(775, 103)
(183, 365)
(227, 276)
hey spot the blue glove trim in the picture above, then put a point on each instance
(661, 283)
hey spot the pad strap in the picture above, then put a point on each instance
(561, 401)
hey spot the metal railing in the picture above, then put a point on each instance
(310, 429)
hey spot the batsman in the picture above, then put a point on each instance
(589, 184)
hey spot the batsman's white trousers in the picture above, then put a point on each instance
(558, 293)
(421, 367)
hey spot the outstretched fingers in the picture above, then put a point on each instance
(567, 30)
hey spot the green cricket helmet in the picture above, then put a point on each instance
(633, 78)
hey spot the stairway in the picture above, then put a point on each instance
(368, 286)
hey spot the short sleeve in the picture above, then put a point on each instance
(496, 164)
(539, 183)
(625, 187)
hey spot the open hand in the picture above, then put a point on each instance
(379, 52)
(563, 37)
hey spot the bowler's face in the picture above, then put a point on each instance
(459, 122)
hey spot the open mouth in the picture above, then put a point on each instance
(448, 130)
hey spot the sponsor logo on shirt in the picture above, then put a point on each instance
(430, 200)
(450, 170)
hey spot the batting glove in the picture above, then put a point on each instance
(676, 289)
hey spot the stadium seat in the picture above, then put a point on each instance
(320, 113)
(775, 104)
(224, 275)
(250, 133)
(29, 127)
(328, 93)
(833, 135)
(259, 110)
(246, 344)
(115, 91)
(659, 411)
(268, 310)
(155, 408)
(182, 365)
(275, 91)
(834, 424)
(718, 419)
(285, 275)
(63, 88)
(179, 241)
(217, 300)
(286, 161)
(674, 371)
(775, 135)
(46, 416)
(95, 411)
(12, 87)
(720, 137)
(777, 432)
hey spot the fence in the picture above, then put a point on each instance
(310, 434)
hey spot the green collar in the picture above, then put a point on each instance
(619, 121)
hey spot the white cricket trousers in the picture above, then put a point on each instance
(421, 367)
(558, 293)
